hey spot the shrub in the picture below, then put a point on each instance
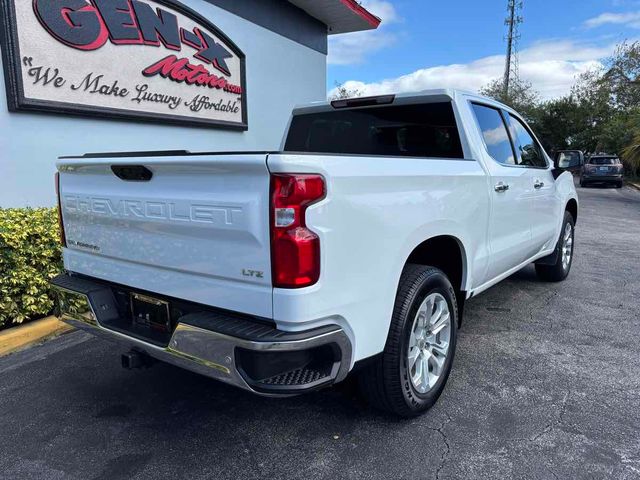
(30, 255)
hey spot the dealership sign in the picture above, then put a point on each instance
(151, 60)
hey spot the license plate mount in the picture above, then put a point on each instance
(151, 313)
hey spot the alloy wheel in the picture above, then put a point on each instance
(567, 246)
(429, 342)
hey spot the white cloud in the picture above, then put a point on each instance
(495, 136)
(353, 48)
(382, 9)
(551, 66)
(630, 19)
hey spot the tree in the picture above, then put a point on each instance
(622, 76)
(631, 155)
(622, 79)
(342, 92)
(619, 131)
(554, 122)
(593, 110)
(521, 96)
(601, 114)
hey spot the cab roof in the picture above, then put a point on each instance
(424, 96)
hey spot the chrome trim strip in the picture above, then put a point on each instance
(201, 351)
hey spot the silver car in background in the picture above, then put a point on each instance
(602, 169)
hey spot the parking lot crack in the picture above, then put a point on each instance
(445, 453)
(535, 305)
(557, 422)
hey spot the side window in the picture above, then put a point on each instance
(527, 149)
(494, 132)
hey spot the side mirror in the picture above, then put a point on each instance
(559, 167)
(560, 164)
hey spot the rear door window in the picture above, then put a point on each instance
(528, 151)
(422, 130)
(494, 132)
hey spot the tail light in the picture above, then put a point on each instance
(63, 238)
(589, 168)
(295, 250)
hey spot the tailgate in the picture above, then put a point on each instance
(198, 229)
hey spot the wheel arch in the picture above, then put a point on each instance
(446, 252)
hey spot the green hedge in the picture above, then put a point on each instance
(30, 255)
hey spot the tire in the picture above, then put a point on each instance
(583, 184)
(619, 185)
(560, 270)
(388, 382)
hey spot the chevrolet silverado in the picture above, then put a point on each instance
(352, 249)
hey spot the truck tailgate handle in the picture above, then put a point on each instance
(132, 173)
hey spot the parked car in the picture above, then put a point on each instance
(602, 169)
(353, 249)
(571, 160)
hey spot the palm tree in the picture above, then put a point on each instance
(631, 154)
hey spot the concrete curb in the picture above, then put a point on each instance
(23, 336)
(633, 185)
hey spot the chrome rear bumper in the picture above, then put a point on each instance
(215, 352)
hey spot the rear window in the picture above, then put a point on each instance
(425, 130)
(604, 161)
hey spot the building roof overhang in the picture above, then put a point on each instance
(340, 16)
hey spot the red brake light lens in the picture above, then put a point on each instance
(63, 238)
(295, 250)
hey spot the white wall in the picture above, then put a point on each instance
(280, 74)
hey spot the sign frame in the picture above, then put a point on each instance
(18, 102)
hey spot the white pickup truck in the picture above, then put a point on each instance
(353, 249)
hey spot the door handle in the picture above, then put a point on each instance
(501, 187)
(538, 185)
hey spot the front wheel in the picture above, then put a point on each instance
(564, 257)
(410, 374)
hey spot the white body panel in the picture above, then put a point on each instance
(376, 212)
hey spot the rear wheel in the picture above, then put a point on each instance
(619, 185)
(409, 376)
(560, 269)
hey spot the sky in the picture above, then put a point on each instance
(425, 44)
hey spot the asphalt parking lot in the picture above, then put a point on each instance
(546, 384)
